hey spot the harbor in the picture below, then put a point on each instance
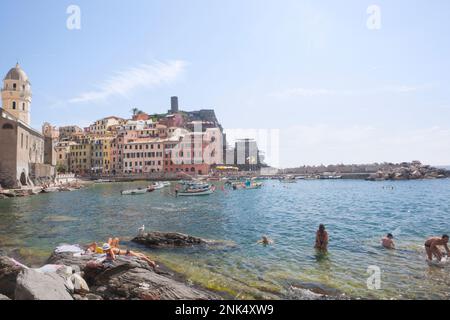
(289, 213)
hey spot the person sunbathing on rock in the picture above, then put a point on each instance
(114, 244)
(110, 254)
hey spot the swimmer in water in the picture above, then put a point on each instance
(388, 241)
(431, 247)
(265, 241)
(321, 239)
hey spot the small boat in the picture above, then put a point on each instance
(166, 183)
(103, 181)
(135, 191)
(198, 192)
(195, 189)
(157, 186)
(50, 190)
(256, 185)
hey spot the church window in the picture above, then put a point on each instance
(23, 106)
(21, 140)
(14, 105)
(14, 86)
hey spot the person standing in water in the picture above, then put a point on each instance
(431, 247)
(321, 239)
(388, 241)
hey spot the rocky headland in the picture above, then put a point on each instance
(408, 171)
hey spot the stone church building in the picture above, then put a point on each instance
(24, 159)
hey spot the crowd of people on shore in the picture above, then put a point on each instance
(432, 244)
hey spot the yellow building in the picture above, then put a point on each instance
(80, 157)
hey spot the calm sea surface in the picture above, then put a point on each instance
(356, 213)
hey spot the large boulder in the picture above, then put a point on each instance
(34, 285)
(131, 279)
(2, 297)
(8, 275)
(172, 240)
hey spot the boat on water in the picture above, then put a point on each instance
(50, 190)
(255, 185)
(135, 191)
(196, 189)
(157, 186)
(288, 179)
(102, 181)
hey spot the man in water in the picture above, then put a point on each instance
(321, 239)
(388, 241)
(431, 247)
(265, 241)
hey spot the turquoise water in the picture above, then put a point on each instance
(356, 213)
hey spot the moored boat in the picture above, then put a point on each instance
(135, 191)
(50, 190)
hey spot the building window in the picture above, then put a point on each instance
(14, 105)
(14, 86)
(23, 106)
(8, 126)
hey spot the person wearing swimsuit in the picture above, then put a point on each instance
(321, 239)
(431, 247)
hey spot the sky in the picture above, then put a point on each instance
(316, 82)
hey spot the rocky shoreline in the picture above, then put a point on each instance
(409, 171)
(126, 278)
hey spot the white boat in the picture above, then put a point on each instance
(102, 181)
(200, 192)
(157, 186)
(134, 192)
(256, 185)
(166, 183)
(50, 190)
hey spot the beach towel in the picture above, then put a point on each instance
(68, 248)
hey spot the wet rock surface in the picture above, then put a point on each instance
(175, 240)
(131, 279)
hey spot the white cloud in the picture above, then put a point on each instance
(123, 83)
(324, 92)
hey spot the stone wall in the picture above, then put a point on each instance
(8, 153)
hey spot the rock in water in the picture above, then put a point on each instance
(171, 240)
(33, 285)
(2, 297)
(8, 274)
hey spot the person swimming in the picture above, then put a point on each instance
(431, 247)
(388, 241)
(265, 241)
(321, 239)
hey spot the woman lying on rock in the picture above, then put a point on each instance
(112, 252)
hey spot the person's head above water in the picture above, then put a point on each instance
(390, 236)
(445, 237)
(321, 227)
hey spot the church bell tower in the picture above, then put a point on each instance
(16, 94)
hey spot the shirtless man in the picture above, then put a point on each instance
(265, 241)
(321, 239)
(431, 247)
(388, 241)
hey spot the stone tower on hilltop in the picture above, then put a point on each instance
(16, 94)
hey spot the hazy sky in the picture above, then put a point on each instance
(336, 90)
